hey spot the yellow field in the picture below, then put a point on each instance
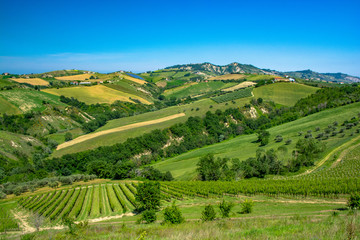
(228, 77)
(95, 94)
(118, 129)
(161, 84)
(80, 77)
(32, 81)
(241, 85)
(139, 81)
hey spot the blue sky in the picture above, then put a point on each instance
(107, 36)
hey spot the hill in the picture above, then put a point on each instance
(183, 166)
(197, 108)
(329, 77)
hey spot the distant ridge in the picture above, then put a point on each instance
(212, 69)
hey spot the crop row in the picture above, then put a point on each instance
(322, 187)
(82, 203)
(242, 93)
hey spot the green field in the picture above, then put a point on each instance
(169, 74)
(283, 93)
(183, 166)
(130, 87)
(5, 83)
(197, 89)
(29, 100)
(7, 107)
(95, 94)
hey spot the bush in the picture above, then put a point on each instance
(2, 195)
(208, 214)
(247, 206)
(354, 201)
(148, 195)
(288, 142)
(148, 216)
(225, 208)
(172, 215)
(68, 136)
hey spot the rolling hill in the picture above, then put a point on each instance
(183, 167)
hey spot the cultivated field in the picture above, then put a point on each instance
(118, 129)
(31, 81)
(239, 86)
(95, 94)
(284, 93)
(27, 99)
(80, 77)
(133, 79)
(229, 77)
(193, 89)
(183, 166)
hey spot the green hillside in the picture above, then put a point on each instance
(13, 145)
(284, 93)
(183, 166)
(26, 100)
(197, 89)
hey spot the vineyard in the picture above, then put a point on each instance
(242, 93)
(92, 201)
(328, 187)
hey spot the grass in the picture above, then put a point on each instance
(239, 86)
(31, 81)
(5, 82)
(59, 137)
(183, 167)
(196, 89)
(271, 218)
(129, 87)
(10, 143)
(7, 107)
(284, 93)
(26, 100)
(95, 94)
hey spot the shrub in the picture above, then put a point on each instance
(2, 195)
(68, 136)
(225, 208)
(172, 215)
(278, 138)
(209, 213)
(354, 201)
(288, 142)
(148, 195)
(148, 216)
(247, 206)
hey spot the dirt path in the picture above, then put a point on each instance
(118, 129)
(319, 164)
(343, 154)
(24, 225)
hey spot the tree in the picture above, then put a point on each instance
(148, 196)
(247, 206)
(263, 137)
(354, 201)
(68, 136)
(208, 169)
(147, 216)
(173, 215)
(209, 213)
(225, 208)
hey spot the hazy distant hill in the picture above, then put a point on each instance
(212, 69)
(330, 77)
